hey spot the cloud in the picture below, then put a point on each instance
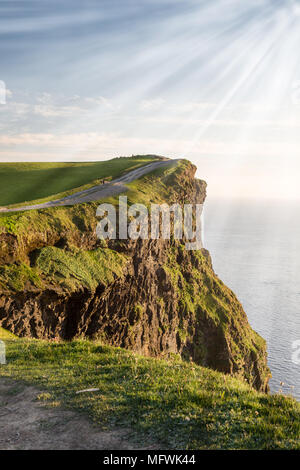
(26, 108)
(116, 143)
(152, 105)
(47, 110)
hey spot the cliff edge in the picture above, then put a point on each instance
(58, 280)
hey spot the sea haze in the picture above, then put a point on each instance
(255, 248)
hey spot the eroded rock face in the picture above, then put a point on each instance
(167, 300)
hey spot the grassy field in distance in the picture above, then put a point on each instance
(20, 182)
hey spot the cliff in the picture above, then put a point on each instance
(154, 297)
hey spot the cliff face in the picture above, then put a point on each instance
(152, 296)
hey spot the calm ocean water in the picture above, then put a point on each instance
(255, 248)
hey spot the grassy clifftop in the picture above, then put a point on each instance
(20, 182)
(180, 405)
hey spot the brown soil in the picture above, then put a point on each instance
(27, 423)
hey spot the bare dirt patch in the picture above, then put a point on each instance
(28, 423)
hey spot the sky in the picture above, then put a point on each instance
(213, 81)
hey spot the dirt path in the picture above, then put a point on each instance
(27, 423)
(98, 192)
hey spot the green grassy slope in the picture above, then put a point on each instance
(4, 334)
(179, 404)
(20, 182)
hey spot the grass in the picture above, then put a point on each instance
(4, 334)
(21, 182)
(69, 270)
(76, 269)
(178, 404)
(16, 276)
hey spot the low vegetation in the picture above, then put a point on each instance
(68, 270)
(178, 404)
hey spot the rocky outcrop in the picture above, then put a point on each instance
(160, 300)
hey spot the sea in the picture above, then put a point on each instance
(255, 249)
